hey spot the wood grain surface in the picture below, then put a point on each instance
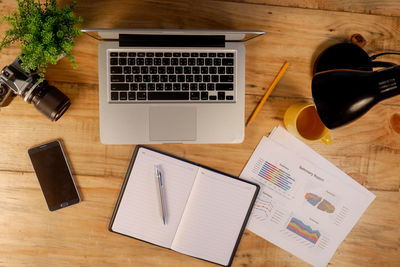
(296, 31)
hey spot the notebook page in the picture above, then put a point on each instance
(213, 217)
(139, 213)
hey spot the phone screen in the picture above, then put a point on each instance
(54, 175)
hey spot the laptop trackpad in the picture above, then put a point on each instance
(172, 124)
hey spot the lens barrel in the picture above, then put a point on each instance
(50, 101)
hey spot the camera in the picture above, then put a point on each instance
(14, 80)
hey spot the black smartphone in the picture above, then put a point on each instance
(54, 175)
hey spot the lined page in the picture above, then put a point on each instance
(213, 217)
(139, 213)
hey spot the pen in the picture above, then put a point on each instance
(161, 187)
(268, 92)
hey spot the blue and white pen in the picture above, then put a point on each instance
(161, 184)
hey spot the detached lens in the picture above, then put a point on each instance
(50, 101)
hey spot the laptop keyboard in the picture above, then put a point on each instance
(190, 76)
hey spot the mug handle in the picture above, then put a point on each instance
(327, 139)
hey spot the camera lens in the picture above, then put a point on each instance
(50, 101)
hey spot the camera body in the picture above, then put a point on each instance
(14, 80)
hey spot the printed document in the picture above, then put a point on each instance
(306, 205)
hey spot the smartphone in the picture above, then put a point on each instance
(54, 175)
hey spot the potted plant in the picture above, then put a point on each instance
(45, 33)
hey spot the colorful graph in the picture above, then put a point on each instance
(313, 199)
(326, 206)
(276, 176)
(298, 227)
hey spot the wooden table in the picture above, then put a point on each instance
(297, 31)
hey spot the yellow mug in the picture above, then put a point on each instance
(302, 120)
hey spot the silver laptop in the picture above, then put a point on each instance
(171, 86)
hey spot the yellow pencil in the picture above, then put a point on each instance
(268, 92)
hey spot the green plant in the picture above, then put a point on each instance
(44, 31)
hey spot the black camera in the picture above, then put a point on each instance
(14, 80)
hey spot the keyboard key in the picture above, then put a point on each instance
(226, 78)
(135, 70)
(208, 61)
(116, 70)
(168, 86)
(119, 86)
(197, 78)
(149, 54)
(194, 54)
(159, 86)
(202, 87)
(191, 61)
(174, 61)
(224, 86)
(113, 54)
(176, 54)
(161, 70)
(140, 54)
(185, 86)
(187, 70)
(200, 61)
(122, 61)
(204, 70)
(210, 87)
(168, 95)
(229, 70)
(127, 70)
(221, 54)
(117, 78)
(163, 78)
(114, 95)
(138, 78)
(157, 61)
(159, 54)
(221, 95)
(221, 70)
(141, 95)
(194, 95)
(181, 78)
(229, 97)
(195, 70)
(153, 70)
(183, 61)
(193, 86)
(113, 61)
(132, 96)
(140, 61)
(229, 54)
(178, 70)
(170, 70)
(131, 61)
(177, 86)
(189, 78)
(203, 54)
(134, 86)
(148, 61)
(132, 54)
(123, 54)
(206, 78)
(123, 96)
(204, 95)
(212, 70)
(129, 78)
(151, 87)
(227, 61)
(172, 78)
(167, 54)
(146, 78)
(155, 78)
(185, 55)
(142, 87)
(213, 97)
(214, 78)
(144, 70)
(217, 61)
(165, 61)
(212, 54)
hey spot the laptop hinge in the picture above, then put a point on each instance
(171, 40)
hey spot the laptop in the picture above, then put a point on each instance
(171, 86)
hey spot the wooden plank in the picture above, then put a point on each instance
(78, 234)
(384, 7)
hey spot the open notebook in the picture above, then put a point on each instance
(207, 210)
